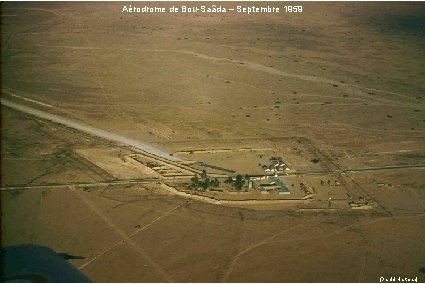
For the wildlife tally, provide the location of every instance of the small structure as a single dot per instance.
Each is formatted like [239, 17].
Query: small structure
[268, 186]
[282, 189]
[276, 165]
[265, 188]
[153, 165]
[159, 168]
[273, 183]
[361, 202]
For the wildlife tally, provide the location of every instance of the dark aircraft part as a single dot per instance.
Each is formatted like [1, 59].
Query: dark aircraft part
[32, 263]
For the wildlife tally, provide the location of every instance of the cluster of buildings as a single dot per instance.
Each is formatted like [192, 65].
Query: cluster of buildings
[161, 169]
[276, 166]
[358, 203]
[268, 184]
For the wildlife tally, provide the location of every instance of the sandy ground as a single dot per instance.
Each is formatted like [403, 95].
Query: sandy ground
[110, 159]
[341, 83]
[166, 238]
[147, 233]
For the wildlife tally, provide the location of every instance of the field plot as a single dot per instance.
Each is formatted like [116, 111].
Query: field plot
[116, 163]
[285, 147]
[36, 153]
[298, 154]
[236, 160]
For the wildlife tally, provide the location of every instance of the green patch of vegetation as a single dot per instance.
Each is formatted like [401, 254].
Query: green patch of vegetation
[237, 183]
[203, 182]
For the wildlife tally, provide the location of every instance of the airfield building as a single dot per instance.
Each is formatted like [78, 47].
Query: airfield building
[273, 183]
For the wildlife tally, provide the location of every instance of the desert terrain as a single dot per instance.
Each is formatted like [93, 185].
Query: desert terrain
[107, 117]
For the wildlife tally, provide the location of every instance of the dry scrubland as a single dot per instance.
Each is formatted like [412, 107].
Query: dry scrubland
[348, 77]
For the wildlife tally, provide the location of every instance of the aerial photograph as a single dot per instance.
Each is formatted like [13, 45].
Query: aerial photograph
[213, 141]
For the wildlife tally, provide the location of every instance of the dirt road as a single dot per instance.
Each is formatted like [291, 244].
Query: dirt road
[89, 129]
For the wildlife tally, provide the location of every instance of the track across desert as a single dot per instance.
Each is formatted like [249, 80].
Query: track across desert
[216, 147]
